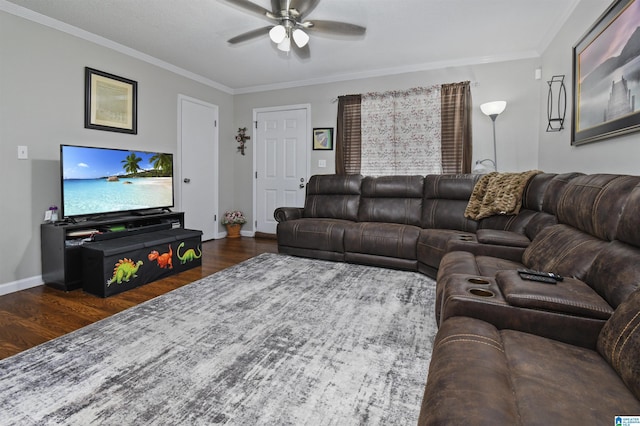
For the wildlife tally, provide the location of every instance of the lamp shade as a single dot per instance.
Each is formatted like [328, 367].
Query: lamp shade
[300, 37]
[493, 108]
[277, 34]
[285, 45]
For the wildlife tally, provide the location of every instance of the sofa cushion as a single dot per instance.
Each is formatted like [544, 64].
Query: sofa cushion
[569, 296]
[628, 230]
[391, 199]
[615, 272]
[315, 234]
[563, 250]
[619, 342]
[445, 199]
[333, 197]
[382, 239]
[594, 203]
[462, 262]
[560, 384]
[481, 375]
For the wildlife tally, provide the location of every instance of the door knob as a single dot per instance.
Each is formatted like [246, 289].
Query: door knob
[302, 185]
[187, 180]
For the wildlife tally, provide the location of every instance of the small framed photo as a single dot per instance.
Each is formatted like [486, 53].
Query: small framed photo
[110, 102]
[323, 138]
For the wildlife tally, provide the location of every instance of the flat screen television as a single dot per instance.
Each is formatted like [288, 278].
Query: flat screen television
[97, 181]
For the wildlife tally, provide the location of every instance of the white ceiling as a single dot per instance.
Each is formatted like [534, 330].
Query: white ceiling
[402, 35]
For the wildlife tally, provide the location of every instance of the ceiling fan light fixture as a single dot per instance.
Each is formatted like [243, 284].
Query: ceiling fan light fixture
[277, 34]
[285, 45]
[300, 37]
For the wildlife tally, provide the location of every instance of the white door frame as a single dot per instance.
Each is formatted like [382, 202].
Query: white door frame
[256, 111]
[216, 159]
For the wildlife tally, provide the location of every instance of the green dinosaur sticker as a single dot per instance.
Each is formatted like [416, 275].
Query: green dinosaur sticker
[189, 255]
[124, 270]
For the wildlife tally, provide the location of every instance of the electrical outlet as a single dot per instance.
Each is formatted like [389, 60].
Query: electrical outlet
[23, 152]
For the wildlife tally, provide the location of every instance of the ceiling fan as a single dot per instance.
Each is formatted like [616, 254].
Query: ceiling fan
[288, 23]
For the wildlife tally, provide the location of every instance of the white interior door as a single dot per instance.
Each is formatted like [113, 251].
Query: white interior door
[282, 161]
[198, 151]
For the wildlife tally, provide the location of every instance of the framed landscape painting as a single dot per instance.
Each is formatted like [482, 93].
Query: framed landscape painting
[606, 76]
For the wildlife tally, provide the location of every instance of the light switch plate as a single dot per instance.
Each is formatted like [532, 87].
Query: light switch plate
[23, 152]
[322, 163]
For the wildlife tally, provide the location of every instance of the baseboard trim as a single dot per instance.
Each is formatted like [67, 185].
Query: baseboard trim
[12, 287]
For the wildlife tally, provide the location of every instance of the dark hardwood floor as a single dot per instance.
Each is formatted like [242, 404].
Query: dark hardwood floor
[34, 316]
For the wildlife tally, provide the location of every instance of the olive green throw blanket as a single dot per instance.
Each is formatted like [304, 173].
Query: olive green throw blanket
[498, 193]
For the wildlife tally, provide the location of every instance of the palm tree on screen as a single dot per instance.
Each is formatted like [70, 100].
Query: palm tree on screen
[131, 163]
[162, 162]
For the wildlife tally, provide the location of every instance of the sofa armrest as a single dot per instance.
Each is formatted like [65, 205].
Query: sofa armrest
[283, 214]
[512, 253]
[502, 238]
[570, 296]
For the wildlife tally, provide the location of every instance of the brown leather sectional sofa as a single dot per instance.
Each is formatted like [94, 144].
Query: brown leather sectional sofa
[508, 351]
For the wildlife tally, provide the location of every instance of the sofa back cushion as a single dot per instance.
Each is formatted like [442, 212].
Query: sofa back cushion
[615, 273]
[445, 200]
[333, 197]
[619, 342]
[628, 230]
[555, 190]
[564, 250]
[391, 199]
[594, 203]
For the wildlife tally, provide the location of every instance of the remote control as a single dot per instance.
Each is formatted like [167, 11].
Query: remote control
[539, 278]
[541, 274]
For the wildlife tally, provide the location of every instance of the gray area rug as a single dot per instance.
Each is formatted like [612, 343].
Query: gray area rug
[276, 340]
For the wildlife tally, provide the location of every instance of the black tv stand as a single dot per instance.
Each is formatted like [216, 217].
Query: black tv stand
[150, 212]
[61, 242]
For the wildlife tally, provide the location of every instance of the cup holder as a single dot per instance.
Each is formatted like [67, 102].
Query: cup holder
[465, 237]
[480, 292]
[480, 281]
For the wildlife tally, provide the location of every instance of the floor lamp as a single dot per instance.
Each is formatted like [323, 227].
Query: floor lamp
[493, 110]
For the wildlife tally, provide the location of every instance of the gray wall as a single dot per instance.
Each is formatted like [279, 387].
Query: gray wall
[616, 155]
[42, 106]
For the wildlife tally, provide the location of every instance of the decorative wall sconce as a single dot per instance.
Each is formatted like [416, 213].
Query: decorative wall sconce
[242, 138]
[557, 97]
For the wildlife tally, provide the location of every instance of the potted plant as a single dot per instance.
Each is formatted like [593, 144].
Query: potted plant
[233, 221]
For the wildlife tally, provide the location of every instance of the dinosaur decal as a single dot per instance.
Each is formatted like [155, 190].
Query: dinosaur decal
[124, 270]
[188, 255]
[164, 259]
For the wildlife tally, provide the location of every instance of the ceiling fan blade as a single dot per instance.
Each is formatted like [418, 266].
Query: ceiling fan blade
[304, 6]
[334, 27]
[251, 7]
[249, 35]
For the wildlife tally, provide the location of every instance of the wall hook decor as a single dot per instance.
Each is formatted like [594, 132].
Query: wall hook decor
[557, 96]
[242, 138]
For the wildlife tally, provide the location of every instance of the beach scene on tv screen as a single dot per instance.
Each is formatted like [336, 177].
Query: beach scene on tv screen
[106, 180]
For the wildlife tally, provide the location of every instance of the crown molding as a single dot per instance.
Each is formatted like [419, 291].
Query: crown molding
[47, 21]
[383, 72]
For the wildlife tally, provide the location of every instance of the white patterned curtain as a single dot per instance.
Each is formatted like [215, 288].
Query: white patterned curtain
[401, 132]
